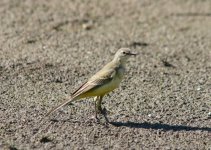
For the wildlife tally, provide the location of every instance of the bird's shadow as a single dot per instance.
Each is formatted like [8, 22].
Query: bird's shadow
[159, 126]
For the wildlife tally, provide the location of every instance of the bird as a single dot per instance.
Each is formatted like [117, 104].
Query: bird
[101, 83]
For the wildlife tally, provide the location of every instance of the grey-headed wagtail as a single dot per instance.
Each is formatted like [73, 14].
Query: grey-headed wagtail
[103, 82]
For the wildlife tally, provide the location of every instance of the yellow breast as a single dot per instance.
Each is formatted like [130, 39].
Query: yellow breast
[103, 89]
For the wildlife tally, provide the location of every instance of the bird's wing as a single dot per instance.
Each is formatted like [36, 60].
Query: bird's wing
[100, 78]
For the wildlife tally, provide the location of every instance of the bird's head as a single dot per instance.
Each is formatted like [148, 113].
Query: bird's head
[123, 54]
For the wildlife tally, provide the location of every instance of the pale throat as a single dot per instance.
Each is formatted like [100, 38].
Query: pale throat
[121, 66]
[120, 61]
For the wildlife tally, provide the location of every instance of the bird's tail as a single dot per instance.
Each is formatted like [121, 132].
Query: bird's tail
[60, 106]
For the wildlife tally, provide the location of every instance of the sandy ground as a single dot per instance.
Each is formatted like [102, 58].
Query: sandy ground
[49, 48]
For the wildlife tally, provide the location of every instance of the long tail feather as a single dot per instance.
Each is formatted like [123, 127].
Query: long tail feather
[60, 106]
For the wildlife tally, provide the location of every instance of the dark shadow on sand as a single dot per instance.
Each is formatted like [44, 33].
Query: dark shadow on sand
[159, 126]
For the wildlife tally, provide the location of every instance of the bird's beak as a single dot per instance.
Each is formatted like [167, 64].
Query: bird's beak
[132, 53]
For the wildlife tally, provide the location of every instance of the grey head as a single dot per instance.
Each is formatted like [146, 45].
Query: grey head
[123, 54]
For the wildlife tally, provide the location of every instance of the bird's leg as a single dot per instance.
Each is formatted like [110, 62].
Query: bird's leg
[96, 109]
[102, 111]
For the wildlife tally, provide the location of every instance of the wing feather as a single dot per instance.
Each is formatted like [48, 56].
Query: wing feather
[98, 79]
[102, 77]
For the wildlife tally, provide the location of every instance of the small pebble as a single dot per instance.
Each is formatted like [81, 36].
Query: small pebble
[198, 89]
[87, 26]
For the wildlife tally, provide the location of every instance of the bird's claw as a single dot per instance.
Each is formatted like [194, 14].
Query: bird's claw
[104, 112]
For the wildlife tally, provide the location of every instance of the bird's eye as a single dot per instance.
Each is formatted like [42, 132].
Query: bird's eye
[124, 52]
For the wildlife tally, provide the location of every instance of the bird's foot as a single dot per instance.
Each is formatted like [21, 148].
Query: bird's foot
[94, 119]
[105, 112]
[98, 120]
